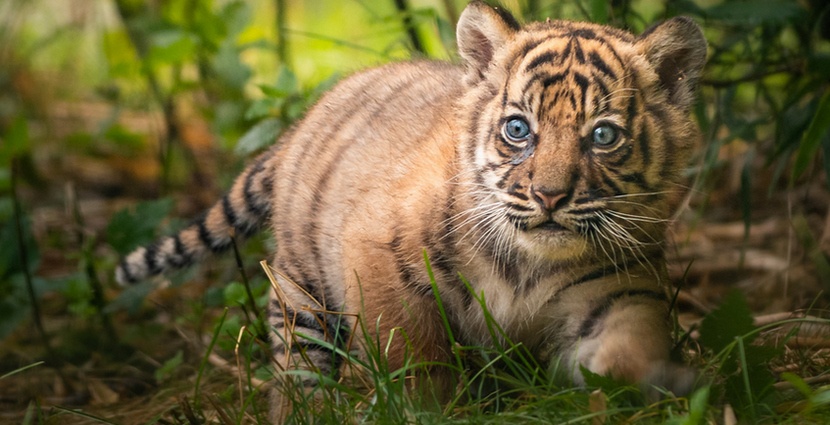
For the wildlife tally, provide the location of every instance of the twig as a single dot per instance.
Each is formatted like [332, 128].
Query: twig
[282, 44]
[27, 275]
[261, 332]
[812, 380]
[754, 76]
[89, 263]
[409, 26]
[24, 258]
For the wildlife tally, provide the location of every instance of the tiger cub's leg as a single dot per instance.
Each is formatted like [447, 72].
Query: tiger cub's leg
[308, 343]
[621, 327]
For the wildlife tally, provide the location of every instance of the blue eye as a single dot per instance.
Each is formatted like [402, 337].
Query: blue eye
[605, 135]
[516, 130]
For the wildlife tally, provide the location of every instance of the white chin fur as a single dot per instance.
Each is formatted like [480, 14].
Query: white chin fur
[553, 246]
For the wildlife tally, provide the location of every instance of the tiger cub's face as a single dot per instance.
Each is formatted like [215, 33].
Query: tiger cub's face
[579, 132]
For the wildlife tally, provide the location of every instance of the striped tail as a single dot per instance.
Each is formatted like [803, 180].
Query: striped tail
[241, 212]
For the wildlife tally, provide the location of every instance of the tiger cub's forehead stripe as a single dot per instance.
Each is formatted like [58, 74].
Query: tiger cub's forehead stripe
[569, 49]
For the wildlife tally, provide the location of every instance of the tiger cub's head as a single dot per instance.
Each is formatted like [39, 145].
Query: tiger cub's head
[576, 133]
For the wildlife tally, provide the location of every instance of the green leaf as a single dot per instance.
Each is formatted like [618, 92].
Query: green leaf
[124, 136]
[821, 397]
[235, 294]
[729, 332]
[16, 140]
[136, 226]
[172, 47]
[261, 108]
[798, 383]
[730, 320]
[697, 407]
[229, 66]
[169, 368]
[286, 81]
[596, 380]
[599, 11]
[259, 136]
[819, 127]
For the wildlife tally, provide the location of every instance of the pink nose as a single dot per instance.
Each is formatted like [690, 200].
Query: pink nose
[550, 200]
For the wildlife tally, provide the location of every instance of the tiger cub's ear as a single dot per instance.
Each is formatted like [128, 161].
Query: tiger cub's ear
[481, 31]
[677, 50]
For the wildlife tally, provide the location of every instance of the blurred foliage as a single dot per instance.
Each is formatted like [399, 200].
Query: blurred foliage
[246, 72]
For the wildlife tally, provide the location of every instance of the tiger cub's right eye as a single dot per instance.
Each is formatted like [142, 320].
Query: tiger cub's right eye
[516, 130]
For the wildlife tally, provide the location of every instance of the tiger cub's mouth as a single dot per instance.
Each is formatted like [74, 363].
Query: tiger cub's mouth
[550, 225]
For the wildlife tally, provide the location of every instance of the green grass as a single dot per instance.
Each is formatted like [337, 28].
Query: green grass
[503, 384]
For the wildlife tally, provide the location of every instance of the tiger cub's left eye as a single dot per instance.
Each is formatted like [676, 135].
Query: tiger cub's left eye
[516, 130]
[605, 135]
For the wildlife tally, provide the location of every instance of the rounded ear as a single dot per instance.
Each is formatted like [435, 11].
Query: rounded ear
[677, 50]
[481, 31]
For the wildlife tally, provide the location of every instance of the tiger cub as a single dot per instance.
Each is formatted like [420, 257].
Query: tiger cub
[543, 171]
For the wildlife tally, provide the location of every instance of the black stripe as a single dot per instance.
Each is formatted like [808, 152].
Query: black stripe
[568, 48]
[601, 65]
[600, 311]
[549, 80]
[314, 147]
[408, 275]
[585, 210]
[579, 55]
[208, 239]
[508, 173]
[546, 79]
[615, 189]
[583, 82]
[335, 333]
[604, 92]
[632, 110]
[519, 207]
[645, 145]
[181, 258]
[230, 214]
[312, 229]
[516, 220]
[502, 155]
[584, 33]
[609, 47]
[525, 50]
[593, 275]
[547, 57]
[125, 268]
[504, 93]
[518, 195]
[317, 288]
[150, 252]
[327, 131]
[627, 151]
[253, 201]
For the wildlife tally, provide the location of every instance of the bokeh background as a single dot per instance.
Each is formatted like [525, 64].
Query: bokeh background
[119, 119]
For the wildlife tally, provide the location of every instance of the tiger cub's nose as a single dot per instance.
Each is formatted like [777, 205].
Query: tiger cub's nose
[550, 200]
